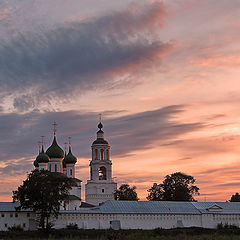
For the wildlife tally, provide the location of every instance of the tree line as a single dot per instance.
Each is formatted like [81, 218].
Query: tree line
[45, 192]
[175, 187]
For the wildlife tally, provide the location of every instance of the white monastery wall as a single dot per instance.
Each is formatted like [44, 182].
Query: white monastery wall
[127, 221]
[145, 221]
[10, 219]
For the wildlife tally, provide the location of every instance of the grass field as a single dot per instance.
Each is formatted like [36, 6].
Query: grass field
[157, 234]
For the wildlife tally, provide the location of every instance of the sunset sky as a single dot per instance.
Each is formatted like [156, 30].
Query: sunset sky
[164, 75]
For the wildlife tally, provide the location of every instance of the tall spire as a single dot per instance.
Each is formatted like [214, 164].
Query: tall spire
[42, 143]
[54, 128]
[69, 144]
[65, 148]
[39, 146]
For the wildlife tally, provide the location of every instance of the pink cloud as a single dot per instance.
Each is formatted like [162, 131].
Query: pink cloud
[218, 60]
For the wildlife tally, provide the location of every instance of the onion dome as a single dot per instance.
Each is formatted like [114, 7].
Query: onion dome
[42, 157]
[100, 126]
[54, 151]
[70, 158]
[100, 136]
[35, 163]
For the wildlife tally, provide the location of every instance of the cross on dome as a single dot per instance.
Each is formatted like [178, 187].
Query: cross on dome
[39, 146]
[54, 128]
[65, 146]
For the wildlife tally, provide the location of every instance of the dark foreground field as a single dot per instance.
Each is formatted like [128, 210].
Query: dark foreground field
[161, 234]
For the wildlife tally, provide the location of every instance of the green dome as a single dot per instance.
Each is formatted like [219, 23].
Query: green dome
[35, 163]
[70, 158]
[42, 157]
[54, 151]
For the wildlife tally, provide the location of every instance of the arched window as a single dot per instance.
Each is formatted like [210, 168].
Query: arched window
[107, 154]
[96, 154]
[102, 173]
[102, 154]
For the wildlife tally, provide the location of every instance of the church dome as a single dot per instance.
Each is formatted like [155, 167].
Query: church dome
[70, 158]
[100, 136]
[42, 158]
[100, 126]
[100, 141]
[54, 151]
[35, 163]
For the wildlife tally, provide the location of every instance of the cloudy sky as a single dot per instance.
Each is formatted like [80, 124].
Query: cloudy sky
[164, 75]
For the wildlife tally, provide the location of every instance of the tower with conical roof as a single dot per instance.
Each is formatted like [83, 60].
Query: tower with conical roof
[56, 155]
[101, 186]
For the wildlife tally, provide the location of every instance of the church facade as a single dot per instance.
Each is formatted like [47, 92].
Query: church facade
[101, 211]
[100, 187]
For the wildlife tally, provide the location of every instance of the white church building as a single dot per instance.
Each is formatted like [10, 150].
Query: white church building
[101, 211]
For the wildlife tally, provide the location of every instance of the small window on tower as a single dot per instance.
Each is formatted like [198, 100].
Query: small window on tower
[50, 169]
[71, 172]
[102, 190]
[102, 154]
[55, 167]
[96, 154]
[107, 153]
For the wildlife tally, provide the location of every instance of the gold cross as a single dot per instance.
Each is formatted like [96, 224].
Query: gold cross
[65, 146]
[39, 146]
[54, 128]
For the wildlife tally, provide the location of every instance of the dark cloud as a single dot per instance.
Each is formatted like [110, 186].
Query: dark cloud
[81, 56]
[16, 169]
[24, 103]
[21, 132]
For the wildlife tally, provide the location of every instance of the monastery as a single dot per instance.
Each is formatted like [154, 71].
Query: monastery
[101, 211]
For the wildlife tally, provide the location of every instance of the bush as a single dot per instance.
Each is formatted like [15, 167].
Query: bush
[227, 226]
[16, 228]
[72, 226]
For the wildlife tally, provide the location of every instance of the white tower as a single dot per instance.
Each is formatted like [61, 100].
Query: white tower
[101, 186]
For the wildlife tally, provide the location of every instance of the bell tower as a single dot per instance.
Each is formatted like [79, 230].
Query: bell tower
[101, 186]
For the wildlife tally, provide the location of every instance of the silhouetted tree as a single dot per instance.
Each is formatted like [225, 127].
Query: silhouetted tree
[235, 198]
[43, 192]
[175, 187]
[125, 192]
